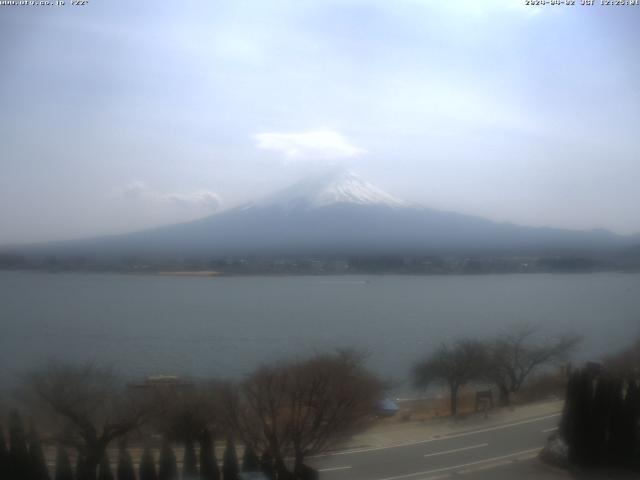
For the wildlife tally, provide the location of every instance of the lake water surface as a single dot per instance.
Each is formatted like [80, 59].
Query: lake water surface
[225, 326]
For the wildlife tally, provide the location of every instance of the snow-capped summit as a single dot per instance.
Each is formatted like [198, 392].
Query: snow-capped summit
[329, 189]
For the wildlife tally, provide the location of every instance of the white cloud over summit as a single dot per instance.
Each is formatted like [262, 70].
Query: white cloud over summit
[311, 145]
[197, 199]
[200, 198]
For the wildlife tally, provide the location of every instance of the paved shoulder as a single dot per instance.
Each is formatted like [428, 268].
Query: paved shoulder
[463, 452]
[520, 469]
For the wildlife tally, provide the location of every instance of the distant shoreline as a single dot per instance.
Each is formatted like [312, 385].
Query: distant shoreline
[222, 274]
[186, 273]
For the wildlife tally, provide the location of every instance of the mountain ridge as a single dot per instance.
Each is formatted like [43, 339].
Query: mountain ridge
[337, 215]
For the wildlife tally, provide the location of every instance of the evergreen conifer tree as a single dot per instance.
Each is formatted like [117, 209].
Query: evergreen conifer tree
[230, 470]
[37, 464]
[148, 465]
[614, 452]
[250, 462]
[574, 425]
[632, 409]
[4, 455]
[282, 473]
[567, 425]
[189, 461]
[599, 421]
[104, 469]
[63, 465]
[266, 466]
[18, 464]
[168, 469]
[208, 462]
[125, 469]
[81, 471]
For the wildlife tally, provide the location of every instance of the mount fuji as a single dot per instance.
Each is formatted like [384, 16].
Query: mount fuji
[338, 215]
[329, 189]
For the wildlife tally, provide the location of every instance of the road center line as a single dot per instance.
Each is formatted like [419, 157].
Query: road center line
[549, 430]
[480, 445]
[333, 469]
[462, 465]
[438, 439]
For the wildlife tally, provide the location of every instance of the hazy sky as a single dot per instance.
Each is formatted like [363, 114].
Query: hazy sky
[120, 115]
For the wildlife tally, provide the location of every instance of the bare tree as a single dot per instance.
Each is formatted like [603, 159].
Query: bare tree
[455, 365]
[257, 410]
[330, 397]
[90, 406]
[192, 413]
[300, 408]
[514, 356]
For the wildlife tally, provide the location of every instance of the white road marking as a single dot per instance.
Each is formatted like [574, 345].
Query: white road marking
[480, 445]
[463, 465]
[438, 439]
[333, 469]
[528, 456]
[438, 477]
[549, 430]
[488, 466]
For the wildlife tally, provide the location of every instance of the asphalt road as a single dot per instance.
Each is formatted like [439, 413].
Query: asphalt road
[492, 452]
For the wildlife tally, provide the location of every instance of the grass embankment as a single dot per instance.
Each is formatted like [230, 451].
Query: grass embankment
[541, 387]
